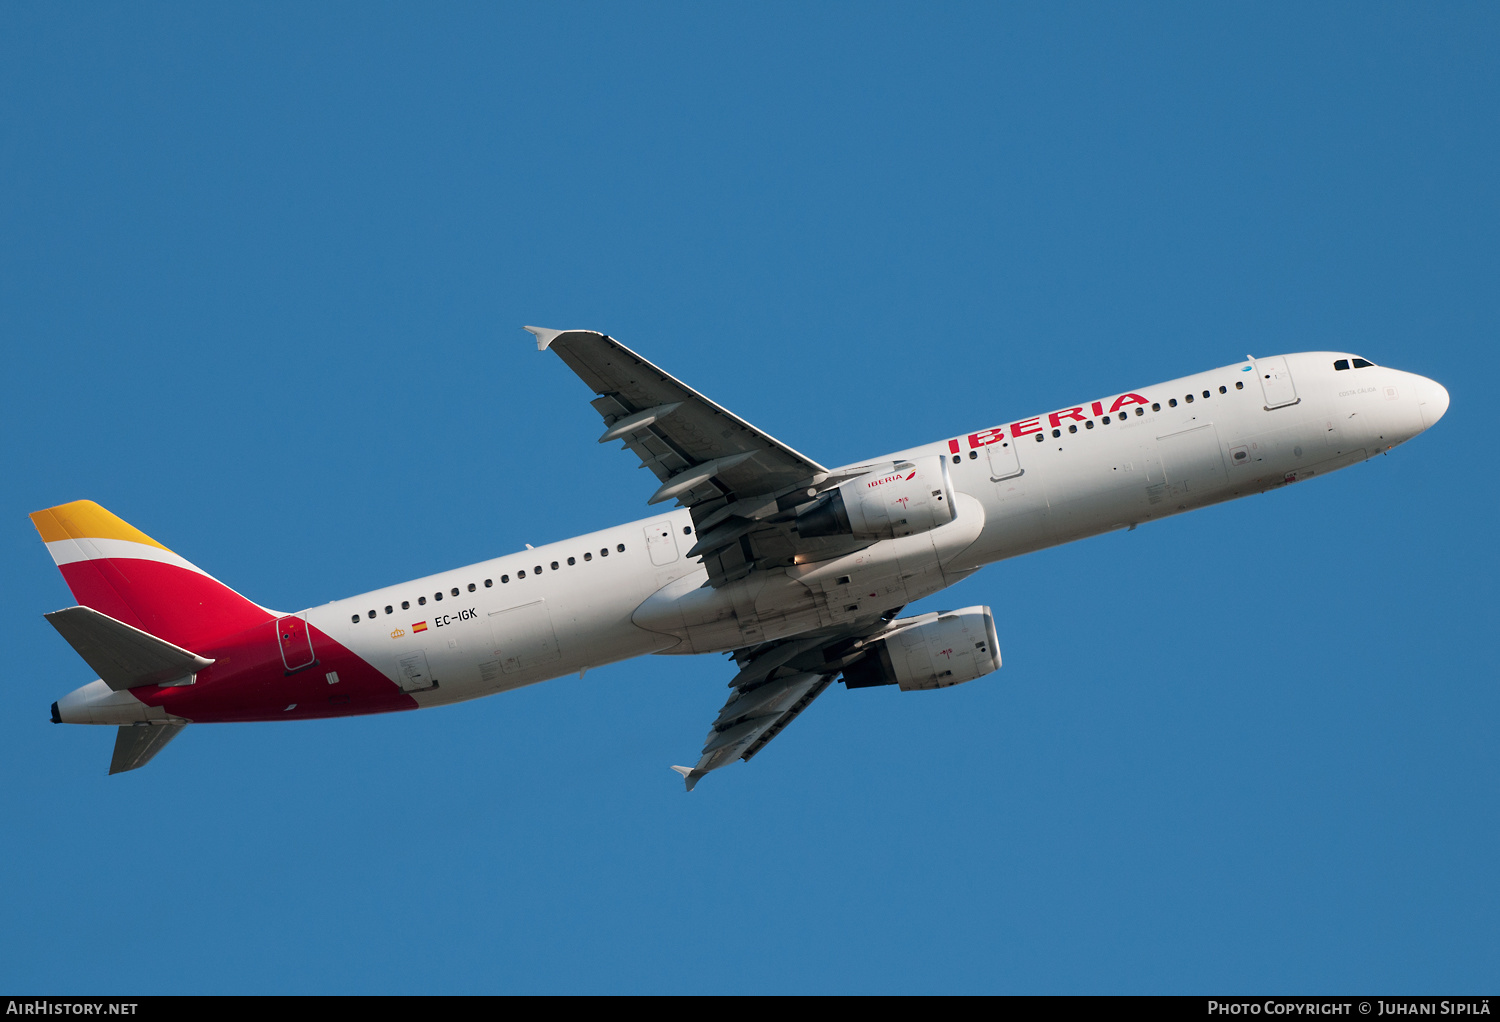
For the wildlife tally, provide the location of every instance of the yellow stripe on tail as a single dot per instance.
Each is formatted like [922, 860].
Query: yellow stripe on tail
[83, 519]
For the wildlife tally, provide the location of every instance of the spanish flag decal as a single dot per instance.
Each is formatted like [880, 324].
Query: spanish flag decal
[420, 626]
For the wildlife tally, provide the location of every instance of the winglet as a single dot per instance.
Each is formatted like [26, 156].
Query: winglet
[544, 337]
[687, 776]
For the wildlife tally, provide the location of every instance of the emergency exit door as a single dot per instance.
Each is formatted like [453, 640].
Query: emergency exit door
[661, 543]
[1005, 460]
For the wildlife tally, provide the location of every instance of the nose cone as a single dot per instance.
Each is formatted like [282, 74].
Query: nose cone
[1434, 401]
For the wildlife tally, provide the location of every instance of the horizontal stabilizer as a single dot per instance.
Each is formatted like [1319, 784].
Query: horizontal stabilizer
[135, 744]
[123, 656]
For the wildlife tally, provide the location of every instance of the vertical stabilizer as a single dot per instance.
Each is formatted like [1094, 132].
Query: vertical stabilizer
[118, 570]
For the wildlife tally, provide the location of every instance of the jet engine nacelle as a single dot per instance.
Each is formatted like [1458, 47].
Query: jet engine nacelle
[911, 497]
[930, 651]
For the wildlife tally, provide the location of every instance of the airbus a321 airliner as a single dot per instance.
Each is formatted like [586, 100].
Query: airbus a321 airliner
[800, 571]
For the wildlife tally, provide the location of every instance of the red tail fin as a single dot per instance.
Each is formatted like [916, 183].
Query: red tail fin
[118, 570]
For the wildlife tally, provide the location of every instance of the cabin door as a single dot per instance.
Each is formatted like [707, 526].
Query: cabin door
[1276, 382]
[296, 643]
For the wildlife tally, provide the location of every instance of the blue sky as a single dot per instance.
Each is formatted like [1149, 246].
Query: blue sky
[262, 276]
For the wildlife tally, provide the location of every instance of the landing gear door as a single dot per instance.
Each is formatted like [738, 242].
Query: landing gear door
[1276, 382]
[1005, 462]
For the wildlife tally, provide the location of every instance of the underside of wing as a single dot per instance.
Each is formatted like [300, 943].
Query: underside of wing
[744, 486]
[776, 682]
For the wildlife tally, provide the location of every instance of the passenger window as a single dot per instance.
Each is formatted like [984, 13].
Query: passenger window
[421, 601]
[687, 530]
[1105, 420]
[520, 574]
[572, 561]
[603, 551]
[956, 459]
[504, 579]
[1155, 406]
[588, 557]
[355, 619]
[973, 455]
[1189, 399]
[406, 605]
[455, 590]
[554, 565]
[389, 609]
[489, 583]
[1223, 390]
[1089, 424]
[620, 547]
[437, 596]
[537, 570]
[1073, 428]
[372, 615]
[1139, 411]
[1172, 403]
[472, 587]
[1207, 394]
[1040, 438]
[1239, 384]
[1056, 433]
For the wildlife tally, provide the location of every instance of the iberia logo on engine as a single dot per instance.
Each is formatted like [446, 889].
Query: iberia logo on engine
[892, 478]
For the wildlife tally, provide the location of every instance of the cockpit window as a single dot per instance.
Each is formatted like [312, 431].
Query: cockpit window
[1360, 363]
[1341, 364]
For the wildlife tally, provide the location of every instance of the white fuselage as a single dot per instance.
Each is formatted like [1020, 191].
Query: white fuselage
[1028, 484]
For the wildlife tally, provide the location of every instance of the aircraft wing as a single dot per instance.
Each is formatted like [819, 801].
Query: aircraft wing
[776, 682]
[742, 484]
